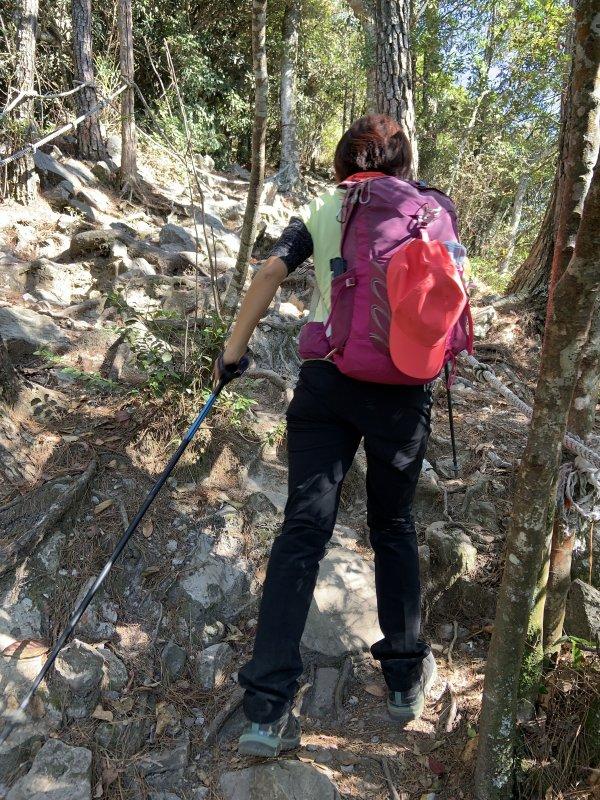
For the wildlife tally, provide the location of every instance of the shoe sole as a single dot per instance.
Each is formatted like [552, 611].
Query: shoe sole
[410, 713]
[252, 744]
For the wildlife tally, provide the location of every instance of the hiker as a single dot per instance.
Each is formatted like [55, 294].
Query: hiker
[370, 352]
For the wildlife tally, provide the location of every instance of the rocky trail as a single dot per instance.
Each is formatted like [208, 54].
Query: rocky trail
[103, 300]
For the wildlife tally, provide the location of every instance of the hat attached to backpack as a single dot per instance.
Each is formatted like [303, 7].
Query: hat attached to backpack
[427, 298]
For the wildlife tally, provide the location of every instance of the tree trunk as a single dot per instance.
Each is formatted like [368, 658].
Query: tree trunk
[128, 172]
[22, 180]
[582, 143]
[394, 68]
[567, 330]
[532, 279]
[257, 173]
[289, 169]
[517, 212]
[90, 144]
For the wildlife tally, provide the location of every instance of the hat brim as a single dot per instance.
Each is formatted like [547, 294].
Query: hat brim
[416, 360]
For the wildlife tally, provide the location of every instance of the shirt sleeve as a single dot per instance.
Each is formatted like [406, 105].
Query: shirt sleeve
[294, 245]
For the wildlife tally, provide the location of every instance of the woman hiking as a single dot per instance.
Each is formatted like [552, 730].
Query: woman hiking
[378, 336]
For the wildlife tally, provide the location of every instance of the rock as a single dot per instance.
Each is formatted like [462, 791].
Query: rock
[283, 780]
[59, 283]
[102, 171]
[113, 147]
[97, 621]
[58, 772]
[483, 319]
[96, 241]
[451, 551]
[583, 611]
[176, 234]
[212, 633]
[212, 587]
[483, 512]
[54, 172]
[163, 796]
[25, 331]
[320, 702]
[123, 737]
[87, 211]
[429, 498]
[477, 601]
[212, 665]
[289, 310]
[19, 747]
[343, 614]
[200, 793]
[169, 759]
[95, 198]
[173, 660]
[115, 672]
[78, 673]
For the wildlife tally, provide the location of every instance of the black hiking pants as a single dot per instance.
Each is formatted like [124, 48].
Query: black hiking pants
[327, 418]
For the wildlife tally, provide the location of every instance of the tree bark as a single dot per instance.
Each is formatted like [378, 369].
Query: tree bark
[364, 14]
[517, 212]
[289, 168]
[22, 180]
[128, 171]
[567, 331]
[257, 173]
[583, 143]
[532, 279]
[394, 67]
[90, 144]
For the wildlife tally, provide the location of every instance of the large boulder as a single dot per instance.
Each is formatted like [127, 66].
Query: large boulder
[583, 611]
[343, 614]
[58, 772]
[25, 331]
[283, 780]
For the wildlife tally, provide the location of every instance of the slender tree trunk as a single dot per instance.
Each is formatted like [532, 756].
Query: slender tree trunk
[432, 65]
[257, 173]
[582, 143]
[517, 211]
[90, 144]
[532, 279]
[567, 330]
[128, 173]
[394, 67]
[289, 168]
[22, 178]
[581, 422]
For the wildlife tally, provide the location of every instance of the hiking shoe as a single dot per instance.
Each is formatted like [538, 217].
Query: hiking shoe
[268, 739]
[408, 705]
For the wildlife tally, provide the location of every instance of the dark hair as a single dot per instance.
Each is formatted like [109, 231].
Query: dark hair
[375, 142]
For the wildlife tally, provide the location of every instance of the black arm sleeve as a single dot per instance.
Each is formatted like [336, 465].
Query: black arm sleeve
[294, 245]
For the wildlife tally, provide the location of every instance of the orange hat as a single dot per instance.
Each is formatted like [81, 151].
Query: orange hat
[427, 298]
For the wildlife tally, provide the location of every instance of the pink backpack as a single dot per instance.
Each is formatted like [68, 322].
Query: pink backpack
[379, 216]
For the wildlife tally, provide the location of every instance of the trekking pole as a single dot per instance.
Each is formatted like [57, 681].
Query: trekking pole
[228, 374]
[451, 419]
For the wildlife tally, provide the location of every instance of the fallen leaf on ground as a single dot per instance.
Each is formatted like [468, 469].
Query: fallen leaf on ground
[147, 528]
[470, 749]
[376, 689]
[166, 714]
[26, 648]
[102, 506]
[436, 766]
[103, 714]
